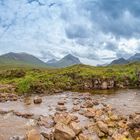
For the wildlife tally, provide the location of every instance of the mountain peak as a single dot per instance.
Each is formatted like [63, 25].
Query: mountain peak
[69, 55]
[67, 60]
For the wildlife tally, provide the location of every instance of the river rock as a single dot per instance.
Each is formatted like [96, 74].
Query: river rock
[88, 104]
[57, 91]
[64, 118]
[76, 108]
[61, 108]
[24, 115]
[33, 135]
[63, 132]
[62, 102]
[1, 137]
[90, 113]
[114, 117]
[102, 126]
[122, 124]
[18, 138]
[104, 85]
[48, 134]
[76, 127]
[46, 121]
[135, 122]
[76, 102]
[37, 100]
[117, 136]
[93, 128]
[3, 112]
[88, 137]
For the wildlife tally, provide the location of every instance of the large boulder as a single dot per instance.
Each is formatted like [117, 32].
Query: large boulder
[102, 126]
[63, 132]
[33, 135]
[64, 118]
[83, 136]
[76, 127]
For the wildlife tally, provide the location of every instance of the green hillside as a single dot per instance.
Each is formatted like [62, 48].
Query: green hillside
[77, 77]
[21, 59]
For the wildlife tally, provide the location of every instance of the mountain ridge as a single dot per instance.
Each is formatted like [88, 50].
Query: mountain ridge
[67, 60]
[22, 58]
[133, 58]
[26, 59]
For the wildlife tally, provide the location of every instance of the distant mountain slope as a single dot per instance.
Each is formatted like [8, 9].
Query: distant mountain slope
[135, 57]
[20, 59]
[52, 61]
[68, 60]
[119, 61]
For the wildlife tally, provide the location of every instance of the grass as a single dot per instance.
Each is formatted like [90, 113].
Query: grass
[37, 80]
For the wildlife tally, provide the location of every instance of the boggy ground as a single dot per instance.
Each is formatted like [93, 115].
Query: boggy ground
[72, 116]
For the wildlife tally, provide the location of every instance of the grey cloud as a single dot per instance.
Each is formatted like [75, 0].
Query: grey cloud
[122, 53]
[111, 16]
[111, 46]
[77, 31]
[47, 55]
[108, 58]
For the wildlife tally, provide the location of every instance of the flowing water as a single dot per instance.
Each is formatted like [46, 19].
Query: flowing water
[124, 101]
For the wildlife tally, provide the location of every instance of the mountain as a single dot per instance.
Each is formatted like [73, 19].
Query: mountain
[21, 59]
[119, 61]
[68, 60]
[135, 57]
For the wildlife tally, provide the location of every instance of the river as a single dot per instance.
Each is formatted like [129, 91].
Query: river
[125, 102]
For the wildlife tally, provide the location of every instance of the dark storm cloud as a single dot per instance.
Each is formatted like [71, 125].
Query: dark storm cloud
[119, 17]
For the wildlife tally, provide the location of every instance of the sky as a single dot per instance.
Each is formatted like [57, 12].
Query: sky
[96, 31]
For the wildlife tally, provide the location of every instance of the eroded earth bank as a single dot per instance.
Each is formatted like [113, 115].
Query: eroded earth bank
[71, 116]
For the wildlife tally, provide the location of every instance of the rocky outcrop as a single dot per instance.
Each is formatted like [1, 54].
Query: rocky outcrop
[99, 83]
